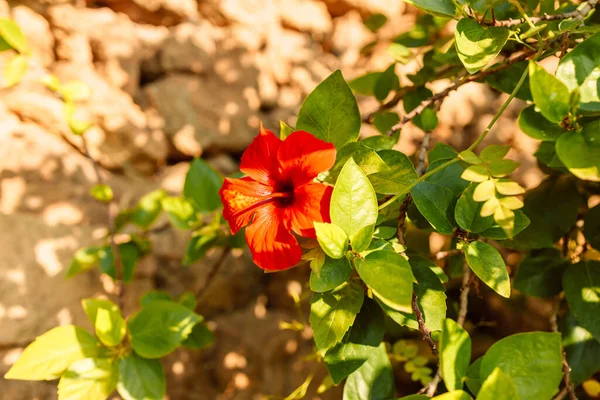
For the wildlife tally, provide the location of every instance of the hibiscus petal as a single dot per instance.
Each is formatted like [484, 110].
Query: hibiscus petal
[302, 157]
[311, 203]
[259, 161]
[272, 246]
[240, 198]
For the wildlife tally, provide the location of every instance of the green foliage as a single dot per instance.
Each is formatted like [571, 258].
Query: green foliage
[160, 327]
[332, 238]
[102, 192]
[532, 360]
[489, 266]
[389, 276]
[140, 378]
[333, 313]
[373, 380]
[539, 273]
[15, 70]
[53, 352]
[90, 378]
[478, 45]
[330, 112]
[551, 96]
[455, 354]
[580, 151]
[581, 282]
[498, 386]
[107, 319]
[201, 186]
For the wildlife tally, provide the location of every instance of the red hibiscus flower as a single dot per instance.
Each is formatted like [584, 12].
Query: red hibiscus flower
[279, 195]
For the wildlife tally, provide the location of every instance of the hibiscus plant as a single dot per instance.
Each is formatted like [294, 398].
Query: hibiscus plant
[359, 213]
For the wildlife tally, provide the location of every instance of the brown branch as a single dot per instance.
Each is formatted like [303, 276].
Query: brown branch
[425, 331]
[213, 272]
[570, 389]
[444, 93]
[580, 13]
[112, 211]
[402, 219]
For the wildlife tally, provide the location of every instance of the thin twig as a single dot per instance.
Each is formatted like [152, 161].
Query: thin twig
[425, 331]
[565, 365]
[444, 93]
[580, 13]
[561, 395]
[112, 211]
[213, 272]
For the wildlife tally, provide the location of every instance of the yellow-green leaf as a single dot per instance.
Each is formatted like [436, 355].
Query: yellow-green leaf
[15, 70]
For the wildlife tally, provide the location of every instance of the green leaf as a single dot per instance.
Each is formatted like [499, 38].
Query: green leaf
[140, 379]
[475, 173]
[455, 354]
[580, 68]
[160, 327]
[506, 80]
[90, 379]
[362, 340]
[77, 125]
[52, 353]
[498, 386]
[284, 130]
[501, 168]
[539, 273]
[333, 313]
[437, 7]
[473, 380]
[385, 83]
[375, 22]
[202, 184]
[427, 119]
[330, 275]
[83, 260]
[441, 151]
[415, 397]
[188, 300]
[580, 151]
[332, 239]
[364, 84]
[582, 350]
[431, 297]
[353, 202]
[12, 34]
[102, 192]
[536, 126]
[198, 245]
[154, 295]
[107, 319]
[581, 283]
[469, 157]
[552, 208]
[436, 203]
[15, 69]
[398, 178]
[478, 45]
[148, 208]
[591, 227]
[384, 121]
[550, 95]
[374, 380]
[330, 112]
[532, 360]
[494, 152]
[181, 212]
[129, 255]
[389, 276]
[200, 337]
[489, 266]
[455, 395]
[449, 177]
[366, 158]
[546, 155]
[468, 213]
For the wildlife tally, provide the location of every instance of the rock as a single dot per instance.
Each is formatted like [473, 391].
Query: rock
[37, 30]
[155, 12]
[350, 35]
[203, 113]
[305, 16]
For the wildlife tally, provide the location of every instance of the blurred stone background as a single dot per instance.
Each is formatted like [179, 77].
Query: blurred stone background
[174, 79]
